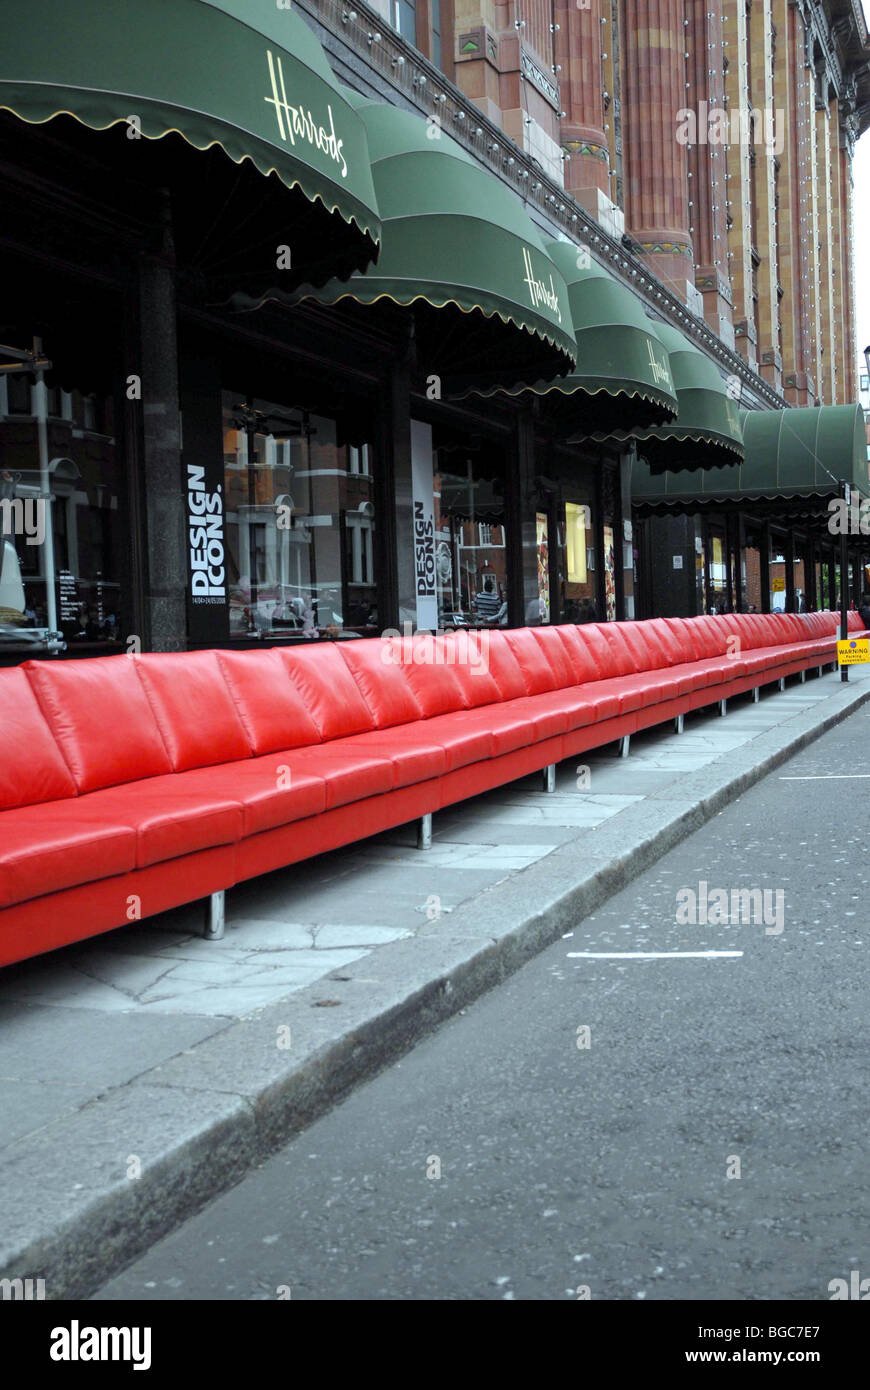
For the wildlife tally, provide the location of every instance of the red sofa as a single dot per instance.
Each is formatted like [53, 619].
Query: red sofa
[129, 785]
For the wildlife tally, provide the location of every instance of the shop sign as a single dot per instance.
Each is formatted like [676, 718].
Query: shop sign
[206, 556]
[295, 120]
[423, 526]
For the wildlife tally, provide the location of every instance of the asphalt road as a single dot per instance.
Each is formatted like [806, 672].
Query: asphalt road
[605, 1167]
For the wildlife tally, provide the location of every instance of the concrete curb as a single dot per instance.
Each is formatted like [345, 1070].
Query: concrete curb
[200, 1121]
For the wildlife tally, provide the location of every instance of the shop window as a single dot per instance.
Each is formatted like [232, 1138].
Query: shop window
[60, 524]
[470, 538]
[299, 524]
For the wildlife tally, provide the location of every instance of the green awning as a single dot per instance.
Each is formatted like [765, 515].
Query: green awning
[791, 454]
[706, 432]
[490, 308]
[242, 75]
[623, 376]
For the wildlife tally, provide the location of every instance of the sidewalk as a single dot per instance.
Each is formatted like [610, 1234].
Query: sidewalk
[144, 1071]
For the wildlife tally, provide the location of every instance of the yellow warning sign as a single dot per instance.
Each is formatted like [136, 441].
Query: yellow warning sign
[777, 586]
[855, 651]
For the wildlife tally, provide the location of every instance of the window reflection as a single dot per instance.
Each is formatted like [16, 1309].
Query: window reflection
[470, 546]
[66, 546]
[300, 524]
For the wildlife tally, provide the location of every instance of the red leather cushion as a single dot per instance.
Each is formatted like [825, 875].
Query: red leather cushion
[716, 631]
[666, 641]
[271, 790]
[611, 654]
[415, 758]
[101, 719]
[348, 774]
[462, 742]
[643, 648]
[555, 651]
[194, 708]
[331, 695]
[384, 686]
[31, 767]
[582, 704]
[855, 623]
[427, 664]
[580, 654]
[548, 720]
[689, 639]
[167, 820]
[504, 667]
[508, 727]
[269, 705]
[471, 666]
[46, 848]
[537, 671]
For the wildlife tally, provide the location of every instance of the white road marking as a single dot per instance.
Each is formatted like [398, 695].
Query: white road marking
[652, 955]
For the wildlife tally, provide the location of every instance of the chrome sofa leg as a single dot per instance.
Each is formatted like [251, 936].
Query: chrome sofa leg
[215, 912]
[723, 707]
[550, 777]
[678, 724]
[624, 744]
[424, 832]
[820, 670]
[803, 677]
[782, 682]
[756, 694]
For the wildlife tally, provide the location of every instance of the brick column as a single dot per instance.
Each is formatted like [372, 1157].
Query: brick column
[761, 42]
[740, 190]
[654, 92]
[707, 162]
[579, 46]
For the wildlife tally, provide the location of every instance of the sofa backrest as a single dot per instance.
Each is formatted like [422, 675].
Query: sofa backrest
[101, 718]
[32, 768]
[194, 708]
[383, 684]
[269, 704]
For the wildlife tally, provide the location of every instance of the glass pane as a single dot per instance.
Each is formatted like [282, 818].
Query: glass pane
[578, 595]
[67, 546]
[470, 540]
[300, 524]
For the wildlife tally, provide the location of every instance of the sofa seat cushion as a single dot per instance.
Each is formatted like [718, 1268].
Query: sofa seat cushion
[462, 742]
[270, 791]
[509, 728]
[578, 706]
[46, 848]
[548, 719]
[349, 774]
[414, 756]
[634, 692]
[168, 816]
[713, 670]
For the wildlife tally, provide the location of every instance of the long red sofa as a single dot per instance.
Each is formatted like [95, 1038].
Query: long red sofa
[132, 784]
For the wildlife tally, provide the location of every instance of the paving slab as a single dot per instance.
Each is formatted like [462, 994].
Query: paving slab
[198, 1058]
